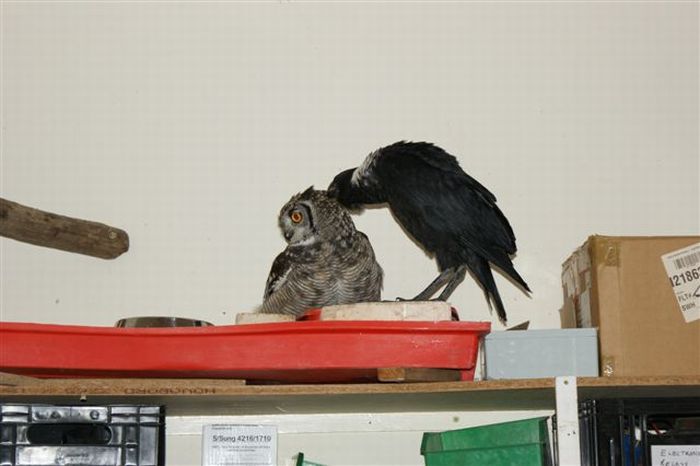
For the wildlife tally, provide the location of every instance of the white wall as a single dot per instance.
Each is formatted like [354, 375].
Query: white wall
[190, 124]
[380, 439]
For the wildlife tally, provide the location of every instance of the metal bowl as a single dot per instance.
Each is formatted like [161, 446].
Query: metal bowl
[156, 321]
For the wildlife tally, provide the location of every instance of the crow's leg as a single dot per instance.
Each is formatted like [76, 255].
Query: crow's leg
[457, 277]
[445, 276]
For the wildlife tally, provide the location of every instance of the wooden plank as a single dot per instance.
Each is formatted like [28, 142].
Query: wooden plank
[55, 231]
[186, 397]
[224, 397]
[639, 381]
[226, 387]
[232, 387]
[416, 374]
[123, 387]
[14, 380]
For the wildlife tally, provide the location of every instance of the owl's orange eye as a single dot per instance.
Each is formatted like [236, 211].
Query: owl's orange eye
[296, 216]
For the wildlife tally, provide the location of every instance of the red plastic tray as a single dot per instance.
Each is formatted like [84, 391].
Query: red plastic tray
[299, 352]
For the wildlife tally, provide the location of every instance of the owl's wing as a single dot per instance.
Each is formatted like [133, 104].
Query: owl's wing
[278, 273]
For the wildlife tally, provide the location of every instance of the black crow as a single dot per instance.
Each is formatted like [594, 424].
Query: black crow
[450, 214]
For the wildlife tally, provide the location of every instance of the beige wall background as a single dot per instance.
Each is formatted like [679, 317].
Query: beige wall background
[190, 124]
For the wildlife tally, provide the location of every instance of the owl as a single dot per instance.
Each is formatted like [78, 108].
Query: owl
[327, 261]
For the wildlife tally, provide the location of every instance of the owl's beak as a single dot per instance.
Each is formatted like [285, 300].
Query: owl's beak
[287, 235]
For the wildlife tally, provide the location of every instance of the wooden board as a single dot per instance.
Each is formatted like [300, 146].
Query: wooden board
[187, 397]
[413, 374]
[234, 387]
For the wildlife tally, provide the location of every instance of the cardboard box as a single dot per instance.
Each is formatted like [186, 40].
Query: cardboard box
[621, 286]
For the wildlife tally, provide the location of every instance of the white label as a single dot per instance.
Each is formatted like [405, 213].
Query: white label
[683, 269]
[675, 455]
[239, 445]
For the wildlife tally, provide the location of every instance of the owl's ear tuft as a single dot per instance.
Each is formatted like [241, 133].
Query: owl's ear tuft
[307, 194]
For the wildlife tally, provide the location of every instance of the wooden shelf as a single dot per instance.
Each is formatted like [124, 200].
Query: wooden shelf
[216, 396]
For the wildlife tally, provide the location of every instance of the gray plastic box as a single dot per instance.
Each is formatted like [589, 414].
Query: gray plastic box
[81, 435]
[528, 354]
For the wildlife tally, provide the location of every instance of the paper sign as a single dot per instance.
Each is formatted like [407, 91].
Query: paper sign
[239, 445]
[683, 269]
[675, 455]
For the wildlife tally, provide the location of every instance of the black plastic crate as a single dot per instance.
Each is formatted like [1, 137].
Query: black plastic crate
[621, 432]
[118, 435]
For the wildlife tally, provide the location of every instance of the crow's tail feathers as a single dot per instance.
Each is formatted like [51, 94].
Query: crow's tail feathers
[498, 257]
[482, 272]
[507, 267]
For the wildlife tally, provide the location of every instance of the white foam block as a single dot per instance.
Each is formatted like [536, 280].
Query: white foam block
[260, 318]
[432, 311]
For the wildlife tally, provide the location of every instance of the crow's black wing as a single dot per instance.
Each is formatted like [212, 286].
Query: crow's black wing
[443, 208]
[425, 182]
[434, 157]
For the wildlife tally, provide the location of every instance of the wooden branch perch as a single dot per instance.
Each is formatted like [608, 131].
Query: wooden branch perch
[41, 228]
